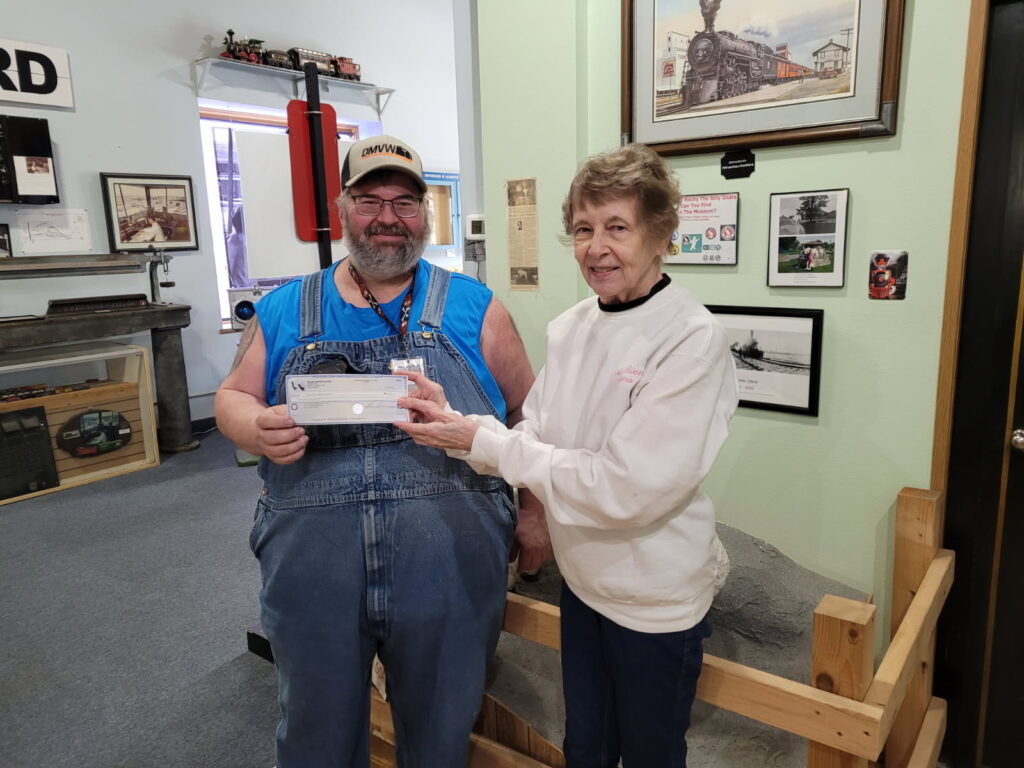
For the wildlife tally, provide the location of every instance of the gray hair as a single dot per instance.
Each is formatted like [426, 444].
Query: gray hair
[632, 172]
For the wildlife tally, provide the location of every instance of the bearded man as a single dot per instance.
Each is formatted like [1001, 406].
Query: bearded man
[369, 544]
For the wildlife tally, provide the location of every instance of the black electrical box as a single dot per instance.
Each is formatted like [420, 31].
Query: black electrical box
[27, 172]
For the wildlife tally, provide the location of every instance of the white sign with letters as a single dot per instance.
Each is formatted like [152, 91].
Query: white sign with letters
[35, 74]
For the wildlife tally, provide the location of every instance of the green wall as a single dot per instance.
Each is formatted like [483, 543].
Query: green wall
[820, 489]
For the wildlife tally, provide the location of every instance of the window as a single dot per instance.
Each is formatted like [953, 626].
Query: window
[445, 248]
[220, 125]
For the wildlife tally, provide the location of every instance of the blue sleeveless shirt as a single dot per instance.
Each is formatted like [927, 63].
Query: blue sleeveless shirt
[467, 302]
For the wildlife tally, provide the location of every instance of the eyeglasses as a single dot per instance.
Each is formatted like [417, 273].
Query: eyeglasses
[404, 207]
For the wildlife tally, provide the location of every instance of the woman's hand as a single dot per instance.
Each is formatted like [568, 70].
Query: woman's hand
[425, 388]
[438, 428]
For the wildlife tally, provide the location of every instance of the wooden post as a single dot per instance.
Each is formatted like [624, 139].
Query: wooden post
[919, 520]
[842, 662]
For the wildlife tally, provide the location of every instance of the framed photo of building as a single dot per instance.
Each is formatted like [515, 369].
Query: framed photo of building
[705, 75]
[149, 211]
[807, 239]
[777, 352]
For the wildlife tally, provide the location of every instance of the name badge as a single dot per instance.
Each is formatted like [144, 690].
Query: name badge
[346, 399]
[403, 364]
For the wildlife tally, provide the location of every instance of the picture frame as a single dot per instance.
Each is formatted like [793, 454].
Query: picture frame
[782, 78]
[807, 239]
[708, 233]
[777, 353]
[6, 247]
[145, 211]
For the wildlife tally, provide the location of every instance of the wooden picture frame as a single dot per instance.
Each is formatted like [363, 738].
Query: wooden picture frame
[145, 211]
[807, 238]
[768, 84]
[777, 352]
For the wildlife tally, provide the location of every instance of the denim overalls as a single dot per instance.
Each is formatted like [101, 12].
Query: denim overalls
[372, 544]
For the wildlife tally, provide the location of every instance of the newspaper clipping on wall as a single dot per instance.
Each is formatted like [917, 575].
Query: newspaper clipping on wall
[522, 234]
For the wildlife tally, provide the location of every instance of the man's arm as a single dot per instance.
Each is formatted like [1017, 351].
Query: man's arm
[506, 358]
[242, 413]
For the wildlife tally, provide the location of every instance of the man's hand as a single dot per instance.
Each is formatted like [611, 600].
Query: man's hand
[278, 437]
[532, 539]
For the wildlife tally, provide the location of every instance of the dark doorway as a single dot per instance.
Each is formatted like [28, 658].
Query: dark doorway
[981, 633]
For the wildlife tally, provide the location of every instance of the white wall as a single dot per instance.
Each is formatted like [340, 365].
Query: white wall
[135, 112]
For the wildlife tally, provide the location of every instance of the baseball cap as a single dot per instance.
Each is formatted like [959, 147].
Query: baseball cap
[381, 153]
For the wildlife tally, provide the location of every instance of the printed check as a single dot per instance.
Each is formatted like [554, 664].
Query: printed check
[345, 398]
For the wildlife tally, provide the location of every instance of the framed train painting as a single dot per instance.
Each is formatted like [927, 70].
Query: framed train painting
[714, 75]
[777, 352]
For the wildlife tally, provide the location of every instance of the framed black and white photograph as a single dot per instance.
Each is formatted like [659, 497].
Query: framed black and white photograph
[807, 239]
[708, 231]
[144, 211]
[6, 249]
[777, 352]
[702, 75]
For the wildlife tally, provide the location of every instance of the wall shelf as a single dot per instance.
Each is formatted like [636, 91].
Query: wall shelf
[375, 94]
[61, 266]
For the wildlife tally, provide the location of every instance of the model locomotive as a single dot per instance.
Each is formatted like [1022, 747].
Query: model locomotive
[251, 51]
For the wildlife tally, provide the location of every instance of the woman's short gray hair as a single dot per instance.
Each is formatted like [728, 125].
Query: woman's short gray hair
[632, 172]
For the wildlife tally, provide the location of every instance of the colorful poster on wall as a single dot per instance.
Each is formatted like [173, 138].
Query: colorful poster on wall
[708, 231]
[521, 214]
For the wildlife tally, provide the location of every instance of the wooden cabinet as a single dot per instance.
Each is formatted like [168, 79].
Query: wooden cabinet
[119, 382]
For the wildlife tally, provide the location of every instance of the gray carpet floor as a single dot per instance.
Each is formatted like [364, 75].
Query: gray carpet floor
[124, 606]
[123, 611]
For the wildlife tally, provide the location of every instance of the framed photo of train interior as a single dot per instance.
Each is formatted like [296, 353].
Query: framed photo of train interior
[144, 211]
[707, 75]
[777, 352]
[807, 239]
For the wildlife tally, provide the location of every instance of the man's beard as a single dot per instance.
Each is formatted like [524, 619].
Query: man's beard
[384, 262]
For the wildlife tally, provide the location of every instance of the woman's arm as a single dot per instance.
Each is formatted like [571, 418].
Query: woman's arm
[652, 463]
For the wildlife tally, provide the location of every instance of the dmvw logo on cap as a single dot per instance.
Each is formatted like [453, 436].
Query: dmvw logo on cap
[381, 153]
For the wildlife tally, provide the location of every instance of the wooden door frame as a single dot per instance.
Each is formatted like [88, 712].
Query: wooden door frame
[977, 508]
[959, 231]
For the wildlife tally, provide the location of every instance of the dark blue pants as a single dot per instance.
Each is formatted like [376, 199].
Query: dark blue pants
[627, 694]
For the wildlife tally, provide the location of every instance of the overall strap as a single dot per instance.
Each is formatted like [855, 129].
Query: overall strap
[310, 306]
[437, 293]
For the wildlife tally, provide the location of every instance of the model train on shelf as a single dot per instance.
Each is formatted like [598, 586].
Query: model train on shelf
[251, 51]
[723, 65]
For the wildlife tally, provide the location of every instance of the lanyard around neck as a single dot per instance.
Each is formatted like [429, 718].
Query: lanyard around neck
[403, 326]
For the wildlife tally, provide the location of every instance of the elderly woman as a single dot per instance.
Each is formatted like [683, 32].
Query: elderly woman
[619, 430]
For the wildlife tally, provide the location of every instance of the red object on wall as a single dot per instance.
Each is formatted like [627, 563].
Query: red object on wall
[302, 169]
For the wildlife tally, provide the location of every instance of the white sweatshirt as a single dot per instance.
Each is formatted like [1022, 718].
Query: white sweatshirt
[619, 430]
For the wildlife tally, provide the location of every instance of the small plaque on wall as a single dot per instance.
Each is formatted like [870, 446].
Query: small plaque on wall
[738, 165]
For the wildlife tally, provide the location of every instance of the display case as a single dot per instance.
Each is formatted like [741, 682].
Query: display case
[97, 403]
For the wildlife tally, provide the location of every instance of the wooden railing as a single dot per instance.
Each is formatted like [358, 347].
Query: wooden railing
[851, 713]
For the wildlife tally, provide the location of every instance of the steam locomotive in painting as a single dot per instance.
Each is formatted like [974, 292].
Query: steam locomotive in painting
[251, 51]
[723, 65]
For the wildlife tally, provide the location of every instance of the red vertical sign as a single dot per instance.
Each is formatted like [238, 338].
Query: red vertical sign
[302, 170]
